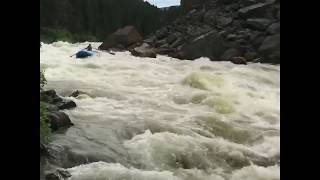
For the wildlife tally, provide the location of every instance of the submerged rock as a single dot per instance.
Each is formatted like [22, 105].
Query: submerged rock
[76, 93]
[144, 51]
[238, 60]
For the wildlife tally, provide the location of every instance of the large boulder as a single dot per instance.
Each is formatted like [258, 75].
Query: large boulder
[209, 45]
[144, 51]
[122, 38]
[58, 120]
[270, 49]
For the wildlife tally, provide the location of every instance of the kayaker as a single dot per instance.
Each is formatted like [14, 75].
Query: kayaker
[89, 48]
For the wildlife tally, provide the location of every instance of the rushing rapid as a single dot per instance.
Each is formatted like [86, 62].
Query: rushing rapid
[165, 119]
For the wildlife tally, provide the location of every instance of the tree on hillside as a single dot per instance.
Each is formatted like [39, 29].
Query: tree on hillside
[97, 17]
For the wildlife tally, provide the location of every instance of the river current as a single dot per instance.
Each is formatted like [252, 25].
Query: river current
[165, 119]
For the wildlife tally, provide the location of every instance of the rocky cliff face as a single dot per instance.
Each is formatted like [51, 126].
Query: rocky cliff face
[221, 30]
[189, 4]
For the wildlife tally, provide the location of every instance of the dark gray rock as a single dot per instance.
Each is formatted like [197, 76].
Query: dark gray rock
[43, 150]
[225, 2]
[258, 23]
[164, 51]
[223, 33]
[270, 49]
[160, 43]
[58, 120]
[191, 4]
[240, 24]
[232, 37]
[250, 2]
[245, 34]
[250, 55]
[232, 7]
[161, 33]
[224, 21]
[274, 28]
[177, 43]
[164, 45]
[58, 175]
[254, 35]
[151, 40]
[123, 38]
[242, 43]
[66, 104]
[254, 11]
[210, 17]
[196, 31]
[76, 93]
[209, 45]
[51, 97]
[270, 1]
[171, 38]
[144, 51]
[238, 60]
[228, 54]
[258, 41]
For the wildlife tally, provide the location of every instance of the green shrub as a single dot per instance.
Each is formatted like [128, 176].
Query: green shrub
[45, 131]
[43, 80]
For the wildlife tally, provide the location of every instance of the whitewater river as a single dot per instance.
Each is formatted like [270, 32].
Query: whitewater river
[165, 119]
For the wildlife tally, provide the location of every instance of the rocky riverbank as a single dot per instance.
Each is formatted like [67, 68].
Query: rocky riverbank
[217, 29]
[58, 120]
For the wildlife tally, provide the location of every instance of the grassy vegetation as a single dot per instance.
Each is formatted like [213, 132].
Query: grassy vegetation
[45, 130]
[43, 80]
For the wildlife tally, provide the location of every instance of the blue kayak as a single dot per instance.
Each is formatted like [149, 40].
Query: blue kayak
[84, 54]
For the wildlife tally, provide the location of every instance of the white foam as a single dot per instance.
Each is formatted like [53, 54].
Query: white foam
[138, 111]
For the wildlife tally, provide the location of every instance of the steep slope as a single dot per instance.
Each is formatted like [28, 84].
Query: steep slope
[222, 29]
